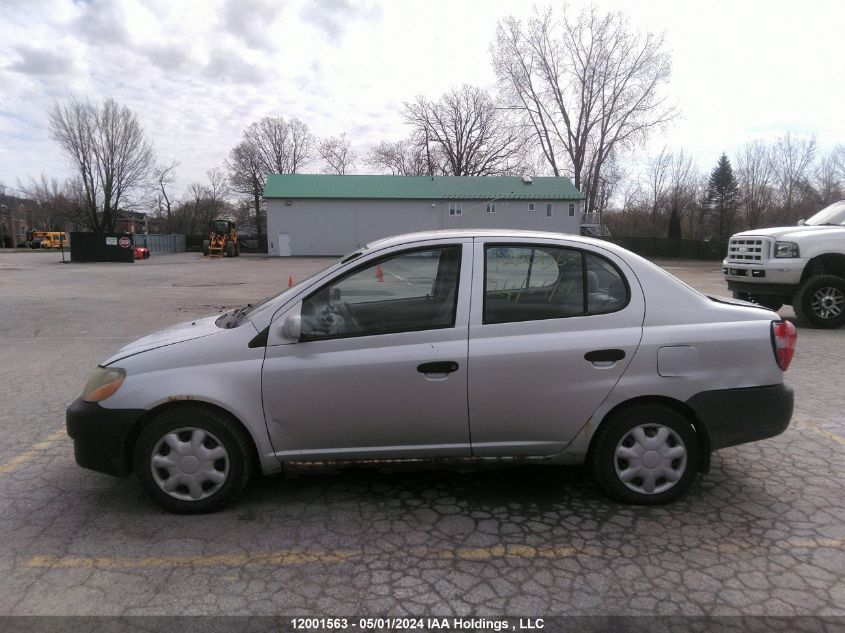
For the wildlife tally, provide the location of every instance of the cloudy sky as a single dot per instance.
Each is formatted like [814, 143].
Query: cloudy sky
[197, 73]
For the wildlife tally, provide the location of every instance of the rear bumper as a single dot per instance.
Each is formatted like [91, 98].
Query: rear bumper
[102, 437]
[738, 416]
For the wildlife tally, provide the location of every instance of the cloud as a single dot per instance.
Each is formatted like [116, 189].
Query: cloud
[101, 22]
[250, 21]
[332, 16]
[226, 65]
[39, 61]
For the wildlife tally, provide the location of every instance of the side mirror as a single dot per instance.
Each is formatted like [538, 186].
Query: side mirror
[292, 327]
[802, 222]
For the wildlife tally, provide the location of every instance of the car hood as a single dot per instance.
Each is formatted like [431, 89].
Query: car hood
[791, 233]
[169, 336]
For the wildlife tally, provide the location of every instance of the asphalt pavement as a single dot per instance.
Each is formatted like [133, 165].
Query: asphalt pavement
[762, 534]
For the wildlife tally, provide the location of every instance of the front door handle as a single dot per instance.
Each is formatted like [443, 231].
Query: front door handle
[441, 367]
[604, 355]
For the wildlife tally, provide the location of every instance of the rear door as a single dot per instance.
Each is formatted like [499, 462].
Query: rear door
[553, 326]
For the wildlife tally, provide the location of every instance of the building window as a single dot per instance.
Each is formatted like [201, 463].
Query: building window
[571, 209]
[530, 207]
[491, 207]
[456, 208]
[548, 209]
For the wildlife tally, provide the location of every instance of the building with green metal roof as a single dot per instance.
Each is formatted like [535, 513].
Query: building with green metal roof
[319, 214]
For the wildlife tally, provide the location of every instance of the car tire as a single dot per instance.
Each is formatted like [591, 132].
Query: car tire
[645, 454]
[215, 461]
[206, 245]
[230, 248]
[820, 302]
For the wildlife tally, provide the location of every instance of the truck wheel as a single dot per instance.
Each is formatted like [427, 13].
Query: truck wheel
[205, 246]
[192, 460]
[230, 249]
[820, 302]
[645, 454]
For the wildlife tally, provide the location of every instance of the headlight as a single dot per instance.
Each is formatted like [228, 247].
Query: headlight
[786, 249]
[103, 383]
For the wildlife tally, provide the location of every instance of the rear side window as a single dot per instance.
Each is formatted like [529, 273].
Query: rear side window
[525, 282]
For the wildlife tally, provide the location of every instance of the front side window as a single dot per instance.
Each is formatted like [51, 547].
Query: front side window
[407, 292]
[534, 282]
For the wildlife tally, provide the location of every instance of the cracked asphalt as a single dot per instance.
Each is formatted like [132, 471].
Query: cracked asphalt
[762, 534]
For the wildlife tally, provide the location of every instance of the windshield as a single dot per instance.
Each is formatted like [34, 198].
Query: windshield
[274, 301]
[832, 215]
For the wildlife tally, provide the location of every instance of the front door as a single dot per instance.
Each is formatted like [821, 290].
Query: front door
[380, 369]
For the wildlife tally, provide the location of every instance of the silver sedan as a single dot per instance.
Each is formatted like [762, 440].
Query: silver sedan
[483, 345]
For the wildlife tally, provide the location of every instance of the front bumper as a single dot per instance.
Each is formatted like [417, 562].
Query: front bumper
[775, 276]
[748, 414]
[102, 437]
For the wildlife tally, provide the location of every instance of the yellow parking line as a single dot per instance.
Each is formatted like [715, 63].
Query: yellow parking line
[286, 558]
[31, 452]
[271, 559]
[829, 435]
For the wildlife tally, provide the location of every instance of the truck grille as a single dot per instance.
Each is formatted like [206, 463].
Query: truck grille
[746, 249]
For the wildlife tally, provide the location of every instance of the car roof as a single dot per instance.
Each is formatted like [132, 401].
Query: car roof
[515, 234]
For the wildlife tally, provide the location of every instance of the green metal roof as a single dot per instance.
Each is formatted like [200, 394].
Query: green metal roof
[419, 187]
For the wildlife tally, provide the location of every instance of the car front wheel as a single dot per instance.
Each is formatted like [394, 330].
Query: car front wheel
[645, 454]
[192, 460]
[820, 302]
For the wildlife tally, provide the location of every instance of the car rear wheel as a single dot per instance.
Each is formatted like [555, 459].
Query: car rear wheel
[645, 454]
[192, 460]
[820, 302]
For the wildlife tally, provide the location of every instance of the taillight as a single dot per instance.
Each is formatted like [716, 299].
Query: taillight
[784, 336]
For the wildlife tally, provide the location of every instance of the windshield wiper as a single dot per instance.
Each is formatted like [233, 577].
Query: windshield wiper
[235, 317]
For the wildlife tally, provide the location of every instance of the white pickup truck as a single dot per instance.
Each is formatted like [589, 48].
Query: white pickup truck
[802, 266]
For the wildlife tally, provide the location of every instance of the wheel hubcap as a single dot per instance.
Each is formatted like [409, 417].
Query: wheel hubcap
[189, 464]
[828, 303]
[650, 459]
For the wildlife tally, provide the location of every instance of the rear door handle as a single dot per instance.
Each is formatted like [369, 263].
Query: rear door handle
[441, 367]
[604, 355]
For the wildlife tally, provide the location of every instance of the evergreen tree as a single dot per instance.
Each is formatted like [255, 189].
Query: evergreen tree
[723, 194]
[674, 225]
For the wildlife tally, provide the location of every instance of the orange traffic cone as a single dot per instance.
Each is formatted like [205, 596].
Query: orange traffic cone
[290, 281]
[379, 273]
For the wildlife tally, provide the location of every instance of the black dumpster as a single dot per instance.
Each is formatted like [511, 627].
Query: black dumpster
[101, 247]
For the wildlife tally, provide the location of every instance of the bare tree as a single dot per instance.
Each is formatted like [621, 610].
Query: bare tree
[247, 177]
[165, 176]
[269, 146]
[754, 177]
[829, 177]
[338, 155]
[682, 190]
[657, 172]
[402, 158]
[587, 87]
[792, 160]
[475, 137]
[109, 151]
[283, 147]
